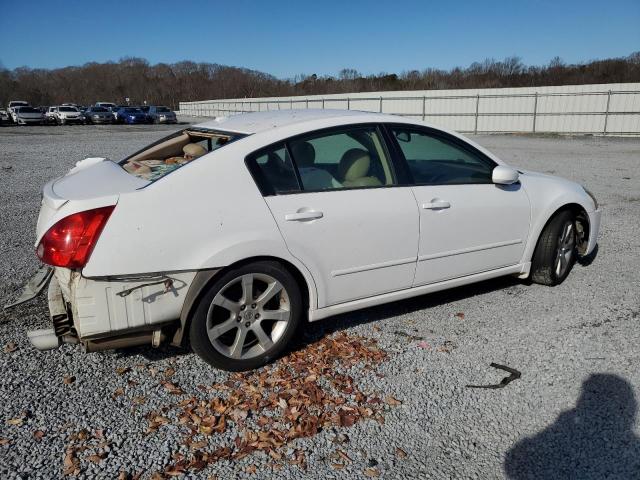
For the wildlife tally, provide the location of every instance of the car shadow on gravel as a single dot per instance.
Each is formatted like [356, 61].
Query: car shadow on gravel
[316, 330]
[591, 441]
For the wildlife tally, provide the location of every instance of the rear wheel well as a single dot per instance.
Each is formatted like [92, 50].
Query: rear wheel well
[181, 336]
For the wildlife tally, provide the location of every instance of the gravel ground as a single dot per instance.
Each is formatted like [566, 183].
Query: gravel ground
[572, 414]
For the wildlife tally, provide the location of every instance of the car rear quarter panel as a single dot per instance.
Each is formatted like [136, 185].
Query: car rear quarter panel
[207, 214]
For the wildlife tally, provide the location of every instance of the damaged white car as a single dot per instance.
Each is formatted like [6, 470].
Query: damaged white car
[229, 235]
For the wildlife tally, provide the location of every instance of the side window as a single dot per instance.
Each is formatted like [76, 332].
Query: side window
[273, 171]
[351, 158]
[436, 160]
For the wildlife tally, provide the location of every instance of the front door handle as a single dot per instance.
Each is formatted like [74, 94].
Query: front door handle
[436, 204]
[302, 216]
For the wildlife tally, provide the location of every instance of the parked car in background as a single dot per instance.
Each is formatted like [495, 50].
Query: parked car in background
[64, 115]
[11, 109]
[108, 105]
[4, 117]
[161, 114]
[98, 115]
[332, 211]
[28, 116]
[131, 115]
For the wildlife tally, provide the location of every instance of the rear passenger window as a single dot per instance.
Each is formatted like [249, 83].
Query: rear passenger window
[353, 158]
[274, 171]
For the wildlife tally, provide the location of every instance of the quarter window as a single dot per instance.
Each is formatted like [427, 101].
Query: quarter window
[436, 160]
[351, 158]
[274, 171]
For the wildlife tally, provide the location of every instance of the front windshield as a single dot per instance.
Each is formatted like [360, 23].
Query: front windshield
[68, 109]
[99, 109]
[28, 110]
[162, 109]
[133, 110]
[175, 151]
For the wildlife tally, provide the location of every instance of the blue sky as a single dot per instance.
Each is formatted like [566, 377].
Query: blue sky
[287, 38]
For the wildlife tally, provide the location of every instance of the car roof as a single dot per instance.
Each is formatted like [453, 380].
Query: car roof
[256, 122]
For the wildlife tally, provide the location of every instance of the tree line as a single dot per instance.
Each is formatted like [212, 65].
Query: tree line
[168, 84]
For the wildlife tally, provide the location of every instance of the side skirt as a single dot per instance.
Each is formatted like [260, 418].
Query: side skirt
[325, 312]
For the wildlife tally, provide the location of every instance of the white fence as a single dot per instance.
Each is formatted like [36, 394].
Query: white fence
[604, 109]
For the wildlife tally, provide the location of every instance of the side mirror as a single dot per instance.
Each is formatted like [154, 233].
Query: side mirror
[504, 175]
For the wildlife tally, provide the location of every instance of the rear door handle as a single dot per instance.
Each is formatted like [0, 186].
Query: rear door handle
[436, 205]
[302, 216]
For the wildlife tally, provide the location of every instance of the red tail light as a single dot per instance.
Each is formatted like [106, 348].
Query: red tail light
[70, 241]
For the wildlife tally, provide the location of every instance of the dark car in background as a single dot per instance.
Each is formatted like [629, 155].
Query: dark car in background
[98, 115]
[161, 114]
[131, 115]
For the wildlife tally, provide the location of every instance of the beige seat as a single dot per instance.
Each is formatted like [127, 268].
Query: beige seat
[194, 150]
[313, 178]
[354, 169]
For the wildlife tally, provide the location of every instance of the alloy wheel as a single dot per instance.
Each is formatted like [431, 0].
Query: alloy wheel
[248, 316]
[565, 250]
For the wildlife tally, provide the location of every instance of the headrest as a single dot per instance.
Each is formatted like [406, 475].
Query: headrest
[194, 150]
[354, 164]
[303, 153]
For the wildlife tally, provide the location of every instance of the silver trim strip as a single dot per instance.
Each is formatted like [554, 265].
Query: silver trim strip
[451, 253]
[373, 266]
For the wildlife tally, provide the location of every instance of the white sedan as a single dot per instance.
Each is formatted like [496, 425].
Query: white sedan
[230, 234]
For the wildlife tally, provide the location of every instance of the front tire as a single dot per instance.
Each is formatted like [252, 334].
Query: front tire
[556, 251]
[247, 317]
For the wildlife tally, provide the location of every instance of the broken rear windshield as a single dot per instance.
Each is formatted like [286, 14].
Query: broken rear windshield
[175, 151]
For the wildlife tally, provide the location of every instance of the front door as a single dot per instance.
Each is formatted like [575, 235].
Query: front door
[341, 213]
[468, 224]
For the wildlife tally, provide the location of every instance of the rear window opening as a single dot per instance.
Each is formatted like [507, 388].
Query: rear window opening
[175, 151]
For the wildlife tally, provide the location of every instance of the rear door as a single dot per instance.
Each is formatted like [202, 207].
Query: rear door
[335, 198]
[468, 224]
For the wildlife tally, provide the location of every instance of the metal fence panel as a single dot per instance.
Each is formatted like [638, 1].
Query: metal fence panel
[597, 109]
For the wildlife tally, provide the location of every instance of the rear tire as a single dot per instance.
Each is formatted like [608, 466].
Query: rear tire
[247, 317]
[556, 250]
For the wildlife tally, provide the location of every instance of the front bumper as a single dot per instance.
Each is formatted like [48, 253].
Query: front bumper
[594, 229]
[30, 121]
[73, 120]
[102, 120]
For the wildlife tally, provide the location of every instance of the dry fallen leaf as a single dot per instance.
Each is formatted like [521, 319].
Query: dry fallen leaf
[371, 472]
[16, 421]
[10, 347]
[5, 441]
[389, 400]
[68, 379]
[122, 370]
[460, 315]
[400, 453]
[118, 391]
[96, 458]
[169, 372]
[38, 434]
